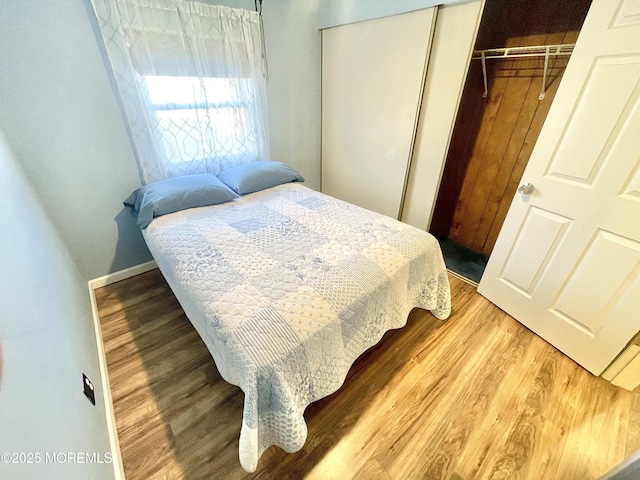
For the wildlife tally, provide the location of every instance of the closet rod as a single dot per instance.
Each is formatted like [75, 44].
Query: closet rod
[545, 51]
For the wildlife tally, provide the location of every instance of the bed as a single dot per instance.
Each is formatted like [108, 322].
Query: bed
[287, 287]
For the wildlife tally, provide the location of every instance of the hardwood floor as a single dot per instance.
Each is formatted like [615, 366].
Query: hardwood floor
[475, 397]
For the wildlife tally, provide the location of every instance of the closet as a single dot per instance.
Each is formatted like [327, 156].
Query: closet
[485, 138]
[494, 136]
[390, 91]
[372, 79]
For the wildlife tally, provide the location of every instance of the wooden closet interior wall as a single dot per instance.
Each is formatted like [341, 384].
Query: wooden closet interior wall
[494, 136]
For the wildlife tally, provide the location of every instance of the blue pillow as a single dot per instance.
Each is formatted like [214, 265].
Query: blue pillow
[254, 176]
[175, 194]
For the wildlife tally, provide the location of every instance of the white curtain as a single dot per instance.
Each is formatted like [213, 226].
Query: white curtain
[191, 80]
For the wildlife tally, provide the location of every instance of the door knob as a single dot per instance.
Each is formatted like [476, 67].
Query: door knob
[526, 188]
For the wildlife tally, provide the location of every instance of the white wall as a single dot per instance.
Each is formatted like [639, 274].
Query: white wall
[46, 341]
[62, 117]
[293, 49]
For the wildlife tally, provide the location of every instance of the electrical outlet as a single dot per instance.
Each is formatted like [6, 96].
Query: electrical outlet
[89, 391]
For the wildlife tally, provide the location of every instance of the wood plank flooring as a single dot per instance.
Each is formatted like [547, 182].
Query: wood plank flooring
[475, 397]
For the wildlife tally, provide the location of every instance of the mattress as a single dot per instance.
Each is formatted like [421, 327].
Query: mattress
[287, 287]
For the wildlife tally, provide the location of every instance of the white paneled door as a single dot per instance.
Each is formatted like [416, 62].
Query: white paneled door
[372, 80]
[567, 261]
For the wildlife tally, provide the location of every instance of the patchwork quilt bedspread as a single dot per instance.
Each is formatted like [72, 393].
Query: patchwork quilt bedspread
[287, 287]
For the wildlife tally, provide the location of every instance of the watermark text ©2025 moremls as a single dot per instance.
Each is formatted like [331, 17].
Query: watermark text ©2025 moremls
[55, 457]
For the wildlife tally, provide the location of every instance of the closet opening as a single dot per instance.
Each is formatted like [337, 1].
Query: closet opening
[494, 136]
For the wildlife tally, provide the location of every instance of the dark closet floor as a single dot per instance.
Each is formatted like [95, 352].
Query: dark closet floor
[462, 260]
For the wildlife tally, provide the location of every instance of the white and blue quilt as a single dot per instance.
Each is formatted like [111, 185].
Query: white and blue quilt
[287, 287]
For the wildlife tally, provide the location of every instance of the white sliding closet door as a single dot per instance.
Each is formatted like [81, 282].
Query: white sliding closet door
[372, 79]
[451, 49]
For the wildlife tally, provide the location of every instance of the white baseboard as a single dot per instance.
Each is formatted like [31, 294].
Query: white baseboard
[118, 466]
[122, 275]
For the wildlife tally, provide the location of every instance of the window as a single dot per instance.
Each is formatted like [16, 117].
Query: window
[191, 79]
[201, 118]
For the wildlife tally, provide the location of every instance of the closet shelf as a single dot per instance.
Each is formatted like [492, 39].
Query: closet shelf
[545, 51]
